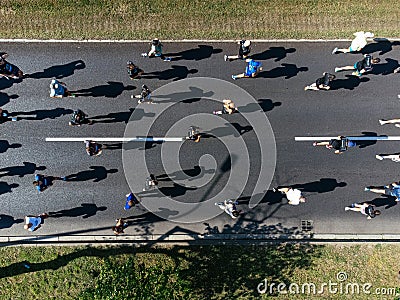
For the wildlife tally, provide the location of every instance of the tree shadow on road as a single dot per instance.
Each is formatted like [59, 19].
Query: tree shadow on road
[278, 53]
[42, 114]
[287, 70]
[7, 221]
[199, 53]
[111, 90]
[97, 173]
[59, 71]
[5, 145]
[86, 210]
[27, 169]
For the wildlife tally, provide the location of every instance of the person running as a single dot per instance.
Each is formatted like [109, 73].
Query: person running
[252, 69]
[119, 227]
[156, 50]
[93, 148]
[390, 121]
[145, 94]
[340, 144]
[131, 201]
[227, 108]
[244, 51]
[389, 190]
[294, 196]
[322, 83]
[358, 43]
[78, 118]
[365, 209]
[361, 66]
[59, 89]
[33, 223]
[134, 71]
[151, 183]
[229, 206]
[193, 134]
[42, 182]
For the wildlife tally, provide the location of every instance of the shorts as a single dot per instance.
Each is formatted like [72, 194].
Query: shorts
[351, 144]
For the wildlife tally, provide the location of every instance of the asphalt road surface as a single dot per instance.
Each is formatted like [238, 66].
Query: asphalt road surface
[94, 196]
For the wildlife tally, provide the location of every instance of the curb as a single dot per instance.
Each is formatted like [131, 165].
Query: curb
[200, 239]
[174, 41]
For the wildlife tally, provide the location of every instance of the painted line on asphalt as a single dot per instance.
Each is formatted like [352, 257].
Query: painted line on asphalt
[170, 41]
[353, 138]
[115, 139]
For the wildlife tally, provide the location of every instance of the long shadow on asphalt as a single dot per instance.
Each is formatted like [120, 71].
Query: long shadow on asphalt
[387, 201]
[199, 53]
[96, 173]
[350, 83]
[227, 130]
[7, 221]
[5, 145]
[278, 53]
[386, 68]
[86, 210]
[264, 104]
[174, 73]
[287, 70]
[186, 97]
[27, 169]
[111, 90]
[123, 116]
[182, 175]
[7, 188]
[383, 45]
[42, 114]
[59, 71]
[5, 98]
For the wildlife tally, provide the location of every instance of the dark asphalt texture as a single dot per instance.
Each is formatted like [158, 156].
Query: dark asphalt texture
[91, 201]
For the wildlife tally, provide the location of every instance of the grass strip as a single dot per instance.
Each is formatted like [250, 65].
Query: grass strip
[198, 272]
[196, 19]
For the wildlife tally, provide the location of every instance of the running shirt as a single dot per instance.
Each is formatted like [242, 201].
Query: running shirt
[252, 67]
[35, 221]
[293, 196]
[57, 89]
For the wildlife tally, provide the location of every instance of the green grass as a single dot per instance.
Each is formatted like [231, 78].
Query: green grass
[200, 19]
[198, 272]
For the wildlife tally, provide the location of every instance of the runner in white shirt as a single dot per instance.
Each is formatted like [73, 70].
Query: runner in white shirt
[294, 196]
[359, 42]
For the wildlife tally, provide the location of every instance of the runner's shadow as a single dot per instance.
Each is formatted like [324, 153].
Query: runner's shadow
[176, 190]
[278, 53]
[385, 200]
[183, 174]
[5, 98]
[5, 145]
[7, 188]
[386, 68]
[269, 197]
[97, 173]
[7, 221]
[42, 114]
[123, 116]
[265, 104]
[287, 70]
[21, 171]
[364, 144]
[175, 73]
[199, 53]
[111, 90]
[381, 44]
[324, 185]
[59, 71]
[86, 210]
[186, 97]
[350, 83]
[115, 146]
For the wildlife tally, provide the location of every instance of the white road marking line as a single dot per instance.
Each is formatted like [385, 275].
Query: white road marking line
[115, 139]
[353, 138]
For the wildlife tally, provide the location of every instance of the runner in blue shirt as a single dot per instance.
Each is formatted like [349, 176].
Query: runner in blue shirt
[390, 190]
[59, 89]
[252, 69]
